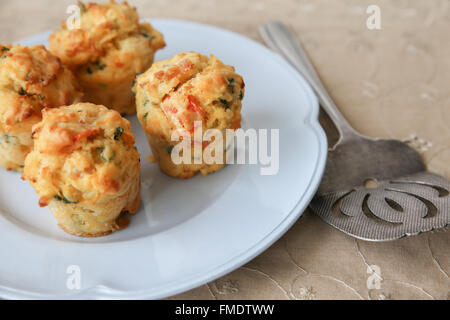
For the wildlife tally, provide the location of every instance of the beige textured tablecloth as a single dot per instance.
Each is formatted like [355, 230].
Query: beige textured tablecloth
[389, 83]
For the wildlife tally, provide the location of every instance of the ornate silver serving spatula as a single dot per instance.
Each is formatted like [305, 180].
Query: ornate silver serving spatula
[372, 189]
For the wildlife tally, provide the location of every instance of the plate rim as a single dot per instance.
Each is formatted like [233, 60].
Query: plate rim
[169, 289]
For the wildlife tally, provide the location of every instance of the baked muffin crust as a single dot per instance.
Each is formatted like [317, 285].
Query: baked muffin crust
[107, 52]
[31, 78]
[85, 167]
[175, 93]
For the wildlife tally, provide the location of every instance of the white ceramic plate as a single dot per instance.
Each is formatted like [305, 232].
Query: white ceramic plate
[187, 232]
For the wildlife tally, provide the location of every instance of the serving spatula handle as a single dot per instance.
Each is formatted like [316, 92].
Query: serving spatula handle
[282, 40]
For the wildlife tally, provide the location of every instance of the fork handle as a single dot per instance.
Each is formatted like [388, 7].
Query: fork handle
[282, 40]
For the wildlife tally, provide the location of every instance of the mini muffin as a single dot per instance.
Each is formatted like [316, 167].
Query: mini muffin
[175, 93]
[31, 78]
[85, 167]
[107, 52]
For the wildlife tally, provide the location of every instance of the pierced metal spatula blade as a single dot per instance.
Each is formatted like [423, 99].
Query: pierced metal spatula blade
[402, 198]
[379, 190]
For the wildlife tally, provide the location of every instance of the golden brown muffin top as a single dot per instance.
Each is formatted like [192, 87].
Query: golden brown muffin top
[191, 87]
[82, 152]
[31, 78]
[103, 28]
